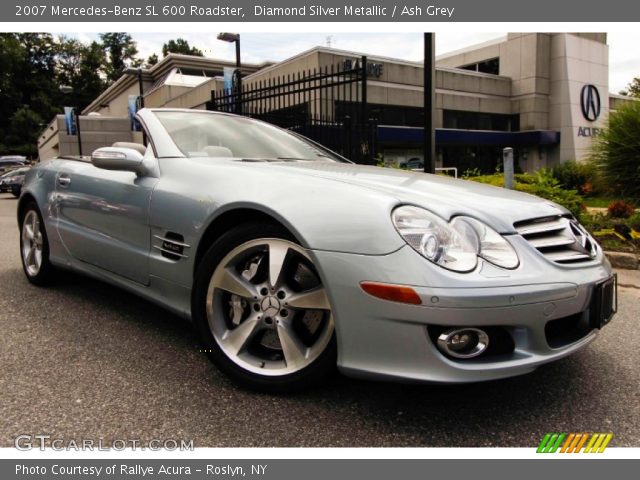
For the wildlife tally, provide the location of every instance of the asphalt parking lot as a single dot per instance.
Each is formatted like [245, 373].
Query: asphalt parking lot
[86, 360]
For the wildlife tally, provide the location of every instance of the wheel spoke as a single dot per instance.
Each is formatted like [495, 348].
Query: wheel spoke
[29, 232]
[315, 299]
[238, 338]
[294, 351]
[277, 255]
[29, 259]
[231, 282]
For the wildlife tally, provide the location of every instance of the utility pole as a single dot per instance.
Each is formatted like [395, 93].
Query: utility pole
[429, 145]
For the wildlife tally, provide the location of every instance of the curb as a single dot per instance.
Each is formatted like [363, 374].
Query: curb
[628, 261]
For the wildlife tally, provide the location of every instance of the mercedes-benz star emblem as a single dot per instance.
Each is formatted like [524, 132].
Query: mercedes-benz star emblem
[270, 306]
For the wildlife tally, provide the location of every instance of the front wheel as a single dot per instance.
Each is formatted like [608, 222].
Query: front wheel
[263, 312]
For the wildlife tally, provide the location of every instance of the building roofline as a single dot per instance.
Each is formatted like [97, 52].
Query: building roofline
[335, 51]
[472, 48]
[152, 74]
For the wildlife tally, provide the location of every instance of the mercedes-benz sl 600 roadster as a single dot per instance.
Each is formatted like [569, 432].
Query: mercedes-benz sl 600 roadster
[291, 260]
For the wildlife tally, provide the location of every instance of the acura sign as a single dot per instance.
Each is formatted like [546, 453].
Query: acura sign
[590, 102]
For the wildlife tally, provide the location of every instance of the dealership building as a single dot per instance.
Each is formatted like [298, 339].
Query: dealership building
[544, 94]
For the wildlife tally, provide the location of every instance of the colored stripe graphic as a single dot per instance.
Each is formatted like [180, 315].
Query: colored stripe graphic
[553, 442]
[581, 443]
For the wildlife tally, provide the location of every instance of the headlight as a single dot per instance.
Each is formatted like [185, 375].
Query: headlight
[493, 246]
[436, 240]
[456, 245]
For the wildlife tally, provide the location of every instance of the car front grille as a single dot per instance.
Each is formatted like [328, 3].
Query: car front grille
[560, 239]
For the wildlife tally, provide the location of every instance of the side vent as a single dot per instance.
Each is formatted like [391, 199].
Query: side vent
[171, 246]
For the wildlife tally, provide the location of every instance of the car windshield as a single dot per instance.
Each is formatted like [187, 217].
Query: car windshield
[210, 135]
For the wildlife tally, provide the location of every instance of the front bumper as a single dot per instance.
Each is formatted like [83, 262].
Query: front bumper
[382, 339]
[8, 187]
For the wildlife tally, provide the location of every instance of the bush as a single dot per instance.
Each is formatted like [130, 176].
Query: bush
[574, 175]
[620, 209]
[542, 184]
[616, 151]
[634, 221]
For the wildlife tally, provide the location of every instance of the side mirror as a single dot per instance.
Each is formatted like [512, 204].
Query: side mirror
[119, 158]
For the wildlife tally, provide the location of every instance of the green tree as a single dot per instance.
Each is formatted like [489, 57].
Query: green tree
[633, 89]
[22, 134]
[180, 45]
[152, 60]
[89, 82]
[28, 84]
[616, 151]
[33, 66]
[80, 66]
[121, 52]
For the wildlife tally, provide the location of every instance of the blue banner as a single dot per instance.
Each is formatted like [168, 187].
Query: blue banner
[134, 106]
[70, 120]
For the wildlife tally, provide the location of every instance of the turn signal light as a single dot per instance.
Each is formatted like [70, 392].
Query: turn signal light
[393, 293]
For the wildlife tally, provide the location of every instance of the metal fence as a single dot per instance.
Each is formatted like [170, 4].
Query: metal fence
[328, 105]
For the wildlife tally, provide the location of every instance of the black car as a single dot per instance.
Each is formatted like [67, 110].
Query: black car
[12, 181]
[414, 164]
[10, 162]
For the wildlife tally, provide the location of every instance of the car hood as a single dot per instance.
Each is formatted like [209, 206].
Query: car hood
[445, 196]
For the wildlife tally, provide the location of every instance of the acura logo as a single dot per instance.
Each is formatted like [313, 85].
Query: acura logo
[590, 102]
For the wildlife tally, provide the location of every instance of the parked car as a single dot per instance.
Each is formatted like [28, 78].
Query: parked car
[414, 164]
[12, 181]
[9, 162]
[291, 260]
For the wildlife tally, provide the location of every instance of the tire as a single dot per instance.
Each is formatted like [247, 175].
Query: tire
[34, 247]
[15, 191]
[269, 329]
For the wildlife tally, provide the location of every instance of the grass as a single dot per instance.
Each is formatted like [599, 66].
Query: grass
[598, 202]
[604, 202]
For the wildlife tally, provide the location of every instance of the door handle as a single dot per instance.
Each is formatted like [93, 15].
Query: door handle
[64, 181]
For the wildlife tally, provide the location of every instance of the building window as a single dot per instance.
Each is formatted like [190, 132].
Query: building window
[462, 120]
[491, 66]
[382, 114]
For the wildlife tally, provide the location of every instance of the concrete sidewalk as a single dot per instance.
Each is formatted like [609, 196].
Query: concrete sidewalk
[628, 278]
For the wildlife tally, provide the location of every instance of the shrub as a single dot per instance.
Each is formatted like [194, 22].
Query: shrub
[634, 221]
[620, 209]
[616, 151]
[543, 184]
[574, 175]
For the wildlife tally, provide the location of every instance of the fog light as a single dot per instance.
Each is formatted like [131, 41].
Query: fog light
[463, 342]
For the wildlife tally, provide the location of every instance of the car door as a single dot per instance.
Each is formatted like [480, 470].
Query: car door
[102, 218]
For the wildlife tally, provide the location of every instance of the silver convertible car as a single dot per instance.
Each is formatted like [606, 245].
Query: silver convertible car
[292, 260]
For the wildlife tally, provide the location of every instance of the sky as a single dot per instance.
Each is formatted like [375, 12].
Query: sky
[624, 58]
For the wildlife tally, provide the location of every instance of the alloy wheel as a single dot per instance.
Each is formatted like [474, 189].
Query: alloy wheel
[267, 309]
[32, 243]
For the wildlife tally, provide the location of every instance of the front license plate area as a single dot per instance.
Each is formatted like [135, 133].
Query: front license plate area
[604, 302]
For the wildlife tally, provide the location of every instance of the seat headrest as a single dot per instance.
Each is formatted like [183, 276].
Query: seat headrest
[134, 146]
[216, 151]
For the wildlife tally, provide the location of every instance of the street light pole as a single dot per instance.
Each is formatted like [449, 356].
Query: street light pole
[238, 51]
[235, 38]
[232, 38]
[77, 114]
[138, 72]
[67, 89]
